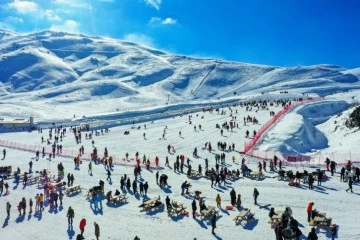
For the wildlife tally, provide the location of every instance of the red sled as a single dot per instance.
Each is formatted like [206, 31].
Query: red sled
[229, 207]
[186, 213]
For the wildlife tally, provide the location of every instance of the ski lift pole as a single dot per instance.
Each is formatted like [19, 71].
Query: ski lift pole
[350, 155]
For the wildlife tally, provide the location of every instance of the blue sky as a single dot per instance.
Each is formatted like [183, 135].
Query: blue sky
[273, 32]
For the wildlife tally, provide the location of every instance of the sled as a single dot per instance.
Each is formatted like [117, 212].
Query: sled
[229, 207]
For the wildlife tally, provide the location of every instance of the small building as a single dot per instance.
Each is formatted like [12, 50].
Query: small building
[17, 124]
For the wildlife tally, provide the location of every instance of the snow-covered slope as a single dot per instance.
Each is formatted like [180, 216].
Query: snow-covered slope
[129, 72]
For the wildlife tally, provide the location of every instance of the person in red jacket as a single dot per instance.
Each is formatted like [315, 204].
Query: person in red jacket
[309, 210]
[82, 226]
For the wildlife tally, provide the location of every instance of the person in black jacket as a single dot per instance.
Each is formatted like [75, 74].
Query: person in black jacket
[312, 235]
[332, 167]
[213, 223]
[272, 212]
[168, 203]
[194, 208]
[350, 184]
[342, 174]
[70, 215]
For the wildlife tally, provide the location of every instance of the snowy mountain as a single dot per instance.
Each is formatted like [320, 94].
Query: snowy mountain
[61, 67]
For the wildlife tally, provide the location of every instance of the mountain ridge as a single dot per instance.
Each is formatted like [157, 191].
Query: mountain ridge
[76, 64]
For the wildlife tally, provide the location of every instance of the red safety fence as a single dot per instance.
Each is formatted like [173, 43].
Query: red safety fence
[67, 153]
[249, 146]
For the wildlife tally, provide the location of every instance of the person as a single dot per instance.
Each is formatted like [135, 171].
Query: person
[70, 215]
[333, 231]
[68, 179]
[312, 235]
[255, 195]
[294, 226]
[97, 230]
[272, 212]
[288, 212]
[30, 205]
[183, 186]
[146, 187]
[108, 175]
[309, 210]
[72, 179]
[238, 202]
[61, 197]
[82, 226]
[350, 184]
[168, 204]
[8, 208]
[342, 174]
[194, 208]
[213, 223]
[1, 186]
[218, 201]
[332, 167]
[90, 168]
[280, 227]
[233, 196]
[157, 177]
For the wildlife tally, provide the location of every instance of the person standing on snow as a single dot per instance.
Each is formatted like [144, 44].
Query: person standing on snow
[255, 195]
[309, 210]
[213, 223]
[108, 175]
[218, 201]
[350, 184]
[8, 208]
[70, 215]
[194, 208]
[82, 226]
[97, 230]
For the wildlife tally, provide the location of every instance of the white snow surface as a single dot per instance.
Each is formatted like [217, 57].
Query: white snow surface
[54, 76]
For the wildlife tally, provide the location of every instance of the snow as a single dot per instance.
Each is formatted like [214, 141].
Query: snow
[108, 88]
